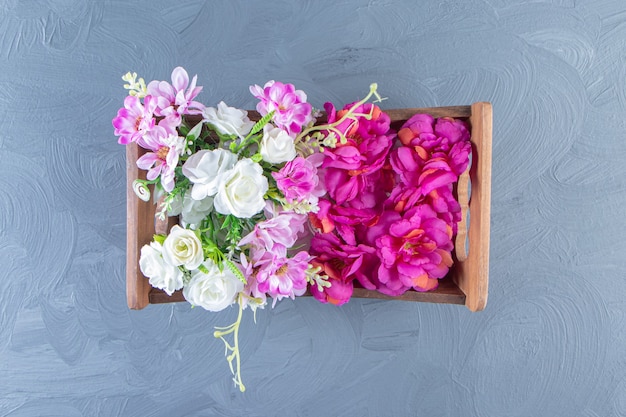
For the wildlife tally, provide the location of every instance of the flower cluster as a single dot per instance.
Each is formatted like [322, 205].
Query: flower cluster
[275, 207]
[388, 209]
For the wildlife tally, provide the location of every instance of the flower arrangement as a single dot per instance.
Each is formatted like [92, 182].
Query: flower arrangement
[288, 204]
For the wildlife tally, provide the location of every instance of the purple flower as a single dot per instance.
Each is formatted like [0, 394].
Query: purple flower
[162, 160]
[299, 182]
[176, 99]
[279, 230]
[340, 262]
[338, 293]
[292, 112]
[134, 120]
[282, 276]
[414, 249]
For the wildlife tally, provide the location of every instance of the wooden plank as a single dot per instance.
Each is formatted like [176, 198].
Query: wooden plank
[472, 275]
[139, 231]
[447, 293]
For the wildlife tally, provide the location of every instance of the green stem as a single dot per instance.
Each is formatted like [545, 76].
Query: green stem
[349, 114]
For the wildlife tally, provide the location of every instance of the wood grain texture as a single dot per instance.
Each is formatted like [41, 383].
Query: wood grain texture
[467, 282]
[472, 275]
[139, 231]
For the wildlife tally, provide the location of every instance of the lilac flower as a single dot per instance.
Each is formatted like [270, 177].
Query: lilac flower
[281, 276]
[280, 230]
[299, 182]
[292, 110]
[134, 120]
[166, 149]
[176, 99]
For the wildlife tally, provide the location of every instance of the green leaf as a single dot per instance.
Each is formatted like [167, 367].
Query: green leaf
[203, 269]
[159, 238]
[261, 123]
[233, 268]
[256, 157]
[195, 132]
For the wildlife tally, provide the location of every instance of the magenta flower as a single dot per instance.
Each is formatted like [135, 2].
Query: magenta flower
[299, 182]
[365, 121]
[368, 140]
[415, 250]
[441, 200]
[338, 293]
[430, 136]
[340, 262]
[292, 112]
[162, 160]
[350, 165]
[176, 99]
[134, 120]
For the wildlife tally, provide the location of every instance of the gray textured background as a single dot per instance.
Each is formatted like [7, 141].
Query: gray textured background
[552, 339]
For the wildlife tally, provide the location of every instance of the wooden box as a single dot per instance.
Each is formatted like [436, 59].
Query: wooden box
[467, 282]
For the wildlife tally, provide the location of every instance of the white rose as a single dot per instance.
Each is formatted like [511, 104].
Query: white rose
[191, 211]
[182, 247]
[228, 120]
[204, 169]
[241, 190]
[213, 291]
[161, 274]
[276, 146]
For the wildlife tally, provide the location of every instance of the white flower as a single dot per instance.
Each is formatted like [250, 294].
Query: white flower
[191, 211]
[214, 290]
[161, 274]
[276, 146]
[205, 168]
[241, 190]
[182, 247]
[228, 120]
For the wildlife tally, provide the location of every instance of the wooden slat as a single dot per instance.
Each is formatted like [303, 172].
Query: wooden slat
[472, 275]
[139, 231]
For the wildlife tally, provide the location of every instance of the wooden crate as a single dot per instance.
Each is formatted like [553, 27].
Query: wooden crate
[467, 282]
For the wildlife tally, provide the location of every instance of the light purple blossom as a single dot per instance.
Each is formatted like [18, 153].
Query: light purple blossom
[162, 160]
[299, 182]
[134, 120]
[176, 99]
[281, 276]
[292, 110]
[281, 230]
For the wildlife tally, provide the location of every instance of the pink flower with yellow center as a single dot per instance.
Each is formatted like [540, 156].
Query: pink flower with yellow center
[292, 112]
[176, 99]
[134, 120]
[162, 160]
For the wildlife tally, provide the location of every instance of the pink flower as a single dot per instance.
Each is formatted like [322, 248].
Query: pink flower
[292, 112]
[338, 293]
[441, 200]
[349, 166]
[166, 149]
[433, 136]
[368, 140]
[280, 230]
[176, 99]
[134, 120]
[281, 276]
[341, 263]
[415, 250]
[299, 182]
